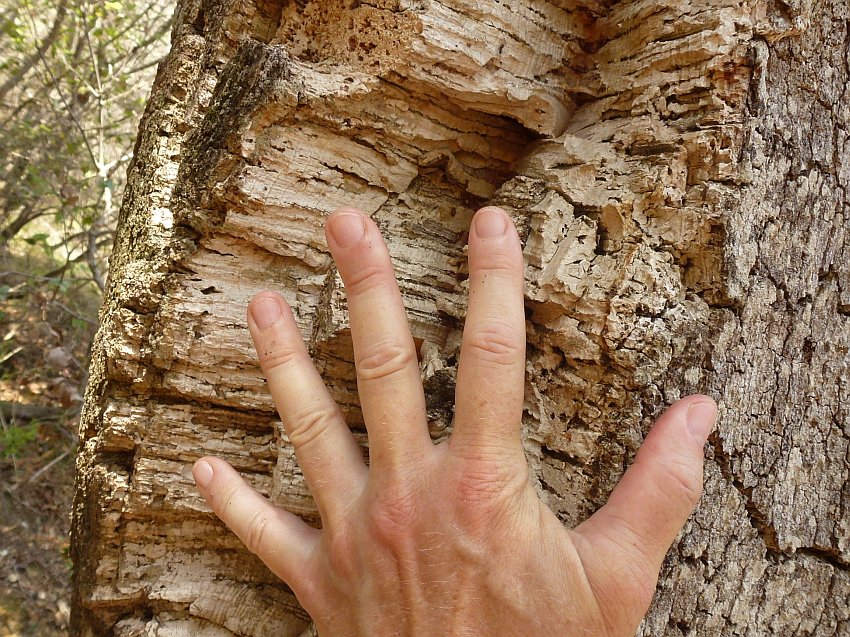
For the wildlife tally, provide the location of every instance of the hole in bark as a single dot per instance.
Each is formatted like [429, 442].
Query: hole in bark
[200, 21]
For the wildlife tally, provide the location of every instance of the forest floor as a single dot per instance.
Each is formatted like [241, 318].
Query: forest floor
[44, 342]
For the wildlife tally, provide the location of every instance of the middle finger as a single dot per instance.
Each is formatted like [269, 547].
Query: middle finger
[388, 379]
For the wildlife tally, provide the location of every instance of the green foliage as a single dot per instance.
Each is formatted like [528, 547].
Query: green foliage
[14, 439]
[74, 77]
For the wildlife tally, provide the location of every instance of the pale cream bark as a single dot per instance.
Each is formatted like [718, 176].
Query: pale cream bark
[680, 174]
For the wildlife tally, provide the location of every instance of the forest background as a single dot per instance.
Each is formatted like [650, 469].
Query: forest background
[74, 79]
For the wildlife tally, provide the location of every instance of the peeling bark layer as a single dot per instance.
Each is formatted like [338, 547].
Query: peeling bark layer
[679, 173]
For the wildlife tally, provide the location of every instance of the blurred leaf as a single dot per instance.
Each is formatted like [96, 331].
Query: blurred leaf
[6, 355]
[40, 237]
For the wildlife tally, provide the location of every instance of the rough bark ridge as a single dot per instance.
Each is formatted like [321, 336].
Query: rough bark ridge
[680, 174]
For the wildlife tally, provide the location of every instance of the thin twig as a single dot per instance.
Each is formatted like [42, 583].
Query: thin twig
[58, 89]
[44, 469]
[68, 310]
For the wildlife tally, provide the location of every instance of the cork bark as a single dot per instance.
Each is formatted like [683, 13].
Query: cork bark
[680, 174]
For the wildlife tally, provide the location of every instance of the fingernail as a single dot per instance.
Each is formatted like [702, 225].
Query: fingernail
[490, 222]
[346, 228]
[203, 473]
[701, 419]
[265, 311]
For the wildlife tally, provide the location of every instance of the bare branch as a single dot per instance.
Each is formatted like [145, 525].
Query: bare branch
[32, 60]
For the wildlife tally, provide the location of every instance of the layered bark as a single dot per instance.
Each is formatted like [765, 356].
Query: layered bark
[680, 176]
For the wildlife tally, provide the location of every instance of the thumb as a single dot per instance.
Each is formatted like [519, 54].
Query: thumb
[655, 497]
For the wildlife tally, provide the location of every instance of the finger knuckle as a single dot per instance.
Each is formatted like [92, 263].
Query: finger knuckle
[484, 492]
[629, 545]
[480, 486]
[276, 354]
[500, 264]
[223, 499]
[392, 516]
[688, 483]
[311, 424]
[386, 360]
[257, 531]
[368, 277]
[496, 343]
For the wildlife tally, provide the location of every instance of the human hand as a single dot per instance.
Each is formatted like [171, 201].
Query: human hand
[447, 539]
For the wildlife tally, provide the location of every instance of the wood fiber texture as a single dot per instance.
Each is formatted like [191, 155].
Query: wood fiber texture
[679, 172]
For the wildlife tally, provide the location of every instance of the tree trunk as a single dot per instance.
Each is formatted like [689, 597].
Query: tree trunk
[680, 174]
